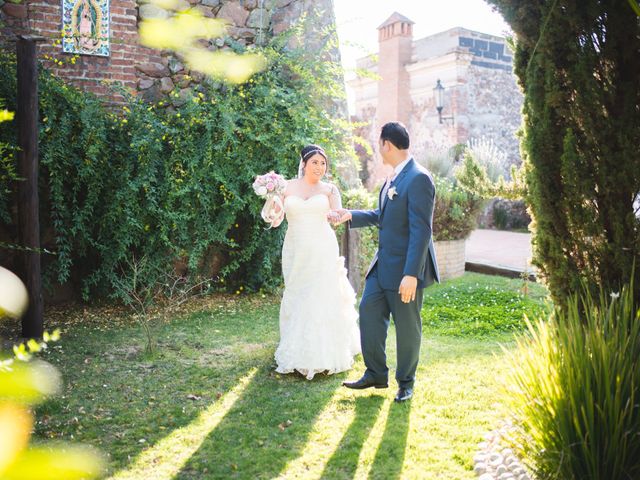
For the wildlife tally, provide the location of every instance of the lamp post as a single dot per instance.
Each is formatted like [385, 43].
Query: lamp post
[438, 93]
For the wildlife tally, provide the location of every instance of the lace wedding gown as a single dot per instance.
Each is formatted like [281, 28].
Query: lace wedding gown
[318, 329]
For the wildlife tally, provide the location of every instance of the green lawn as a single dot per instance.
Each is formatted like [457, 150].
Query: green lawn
[209, 405]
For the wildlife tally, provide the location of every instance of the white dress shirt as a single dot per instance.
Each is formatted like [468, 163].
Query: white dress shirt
[399, 168]
[387, 184]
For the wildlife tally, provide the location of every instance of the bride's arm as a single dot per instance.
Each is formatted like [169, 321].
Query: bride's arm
[334, 198]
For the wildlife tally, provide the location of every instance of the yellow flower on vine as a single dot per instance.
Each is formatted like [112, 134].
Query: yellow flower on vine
[6, 115]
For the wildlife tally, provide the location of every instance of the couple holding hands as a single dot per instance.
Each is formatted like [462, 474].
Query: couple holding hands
[319, 329]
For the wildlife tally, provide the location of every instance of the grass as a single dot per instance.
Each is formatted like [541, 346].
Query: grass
[208, 404]
[481, 305]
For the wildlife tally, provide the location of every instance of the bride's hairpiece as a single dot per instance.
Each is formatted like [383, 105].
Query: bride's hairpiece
[311, 153]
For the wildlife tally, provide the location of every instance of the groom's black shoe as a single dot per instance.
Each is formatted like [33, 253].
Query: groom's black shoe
[403, 394]
[363, 383]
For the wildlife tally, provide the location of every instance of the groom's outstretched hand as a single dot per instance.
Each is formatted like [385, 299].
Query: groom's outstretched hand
[339, 216]
[407, 288]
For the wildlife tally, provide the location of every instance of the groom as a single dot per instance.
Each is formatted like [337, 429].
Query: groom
[403, 266]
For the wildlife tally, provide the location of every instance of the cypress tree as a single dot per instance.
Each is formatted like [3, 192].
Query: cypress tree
[578, 63]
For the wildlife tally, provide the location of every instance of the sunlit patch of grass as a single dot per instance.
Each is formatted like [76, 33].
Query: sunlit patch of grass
[165, 459]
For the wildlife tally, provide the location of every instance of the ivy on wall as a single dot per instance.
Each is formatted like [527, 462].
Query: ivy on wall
[173, 184]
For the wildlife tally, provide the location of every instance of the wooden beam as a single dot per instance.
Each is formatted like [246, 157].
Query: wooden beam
[28, 202]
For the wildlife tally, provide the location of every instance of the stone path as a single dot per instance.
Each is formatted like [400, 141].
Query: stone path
[497, 248]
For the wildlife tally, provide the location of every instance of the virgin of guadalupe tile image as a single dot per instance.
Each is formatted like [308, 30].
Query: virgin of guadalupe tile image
[85, 25]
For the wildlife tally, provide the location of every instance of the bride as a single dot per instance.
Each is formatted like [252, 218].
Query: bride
[318, 329]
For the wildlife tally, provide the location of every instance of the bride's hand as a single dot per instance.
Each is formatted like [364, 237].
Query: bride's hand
[333, 217]
[343, 215]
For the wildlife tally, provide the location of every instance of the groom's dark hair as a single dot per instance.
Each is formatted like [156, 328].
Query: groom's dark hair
[396, 133]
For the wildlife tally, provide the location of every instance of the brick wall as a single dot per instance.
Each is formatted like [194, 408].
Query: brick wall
[91, 73]
[450, 256]
[150, 72]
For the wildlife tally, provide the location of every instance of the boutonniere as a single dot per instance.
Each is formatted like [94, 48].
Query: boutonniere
[392, 192]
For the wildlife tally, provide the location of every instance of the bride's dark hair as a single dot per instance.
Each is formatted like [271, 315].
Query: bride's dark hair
[310, 150]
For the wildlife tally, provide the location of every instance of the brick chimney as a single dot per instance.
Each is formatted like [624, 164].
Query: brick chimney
[395, 37]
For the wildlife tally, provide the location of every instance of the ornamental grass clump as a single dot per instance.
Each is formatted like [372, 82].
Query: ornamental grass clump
[574, 390]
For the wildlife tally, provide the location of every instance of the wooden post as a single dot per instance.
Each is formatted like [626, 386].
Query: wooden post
[28, 203]
[346, 248]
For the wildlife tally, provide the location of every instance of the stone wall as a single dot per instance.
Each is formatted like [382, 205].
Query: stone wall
[493, 102]
[484, 102]
[150, 72]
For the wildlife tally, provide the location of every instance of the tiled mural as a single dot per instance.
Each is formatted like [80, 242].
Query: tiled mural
[85, 27]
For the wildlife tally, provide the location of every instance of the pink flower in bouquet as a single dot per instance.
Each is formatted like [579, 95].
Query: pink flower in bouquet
[268, 184]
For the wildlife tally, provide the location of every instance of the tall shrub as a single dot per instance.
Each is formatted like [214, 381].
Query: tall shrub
[574, 390]
[579, 63]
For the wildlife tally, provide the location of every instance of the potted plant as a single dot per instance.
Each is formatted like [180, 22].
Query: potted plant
[454, 218]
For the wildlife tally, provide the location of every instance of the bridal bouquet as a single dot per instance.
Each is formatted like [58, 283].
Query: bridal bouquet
[271, 185]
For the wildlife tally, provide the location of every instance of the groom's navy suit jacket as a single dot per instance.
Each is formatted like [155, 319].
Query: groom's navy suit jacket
[404, 229]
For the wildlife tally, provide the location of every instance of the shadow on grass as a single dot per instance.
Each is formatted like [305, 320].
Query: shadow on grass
[122, 402]
[267, 427]
[344, 462]
[389, 458]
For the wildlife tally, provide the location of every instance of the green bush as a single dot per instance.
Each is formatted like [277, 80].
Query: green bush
[362, 199]
[456, 210]
[174, 184]
[574, 390]
[510, 215]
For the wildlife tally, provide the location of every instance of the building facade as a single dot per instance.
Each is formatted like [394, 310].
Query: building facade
[481, 96]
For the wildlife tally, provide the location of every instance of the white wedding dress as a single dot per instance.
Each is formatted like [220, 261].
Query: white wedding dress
[318, 319]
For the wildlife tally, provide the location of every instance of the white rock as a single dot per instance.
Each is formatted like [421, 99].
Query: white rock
[511, 460]
[506, 476]
[524, 476]
[480, 468]
[518, 470]
[507, 452]
[480, 458]
[501, 469]
[483, 445]
[486, 476]
[496, 459]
